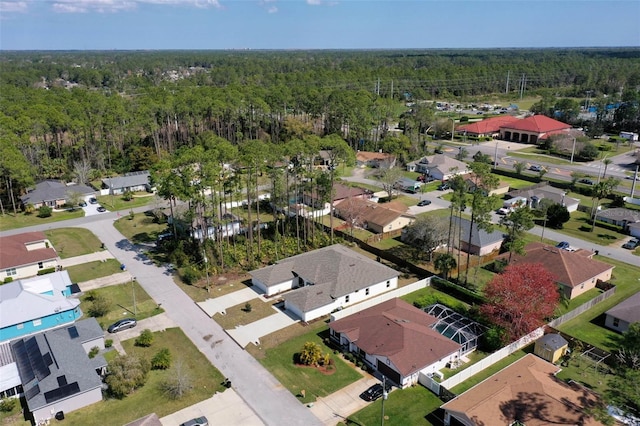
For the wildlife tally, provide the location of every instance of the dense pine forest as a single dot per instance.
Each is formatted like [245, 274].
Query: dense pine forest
[85, 115]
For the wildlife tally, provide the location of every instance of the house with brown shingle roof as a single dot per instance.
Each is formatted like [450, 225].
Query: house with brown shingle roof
[527, 392]
[375, 159]
[625, 313]
[532, 129]
[375, 217]
[23, 255]
[396, 339]
[318, 282]
[575, 272]
[340, 193]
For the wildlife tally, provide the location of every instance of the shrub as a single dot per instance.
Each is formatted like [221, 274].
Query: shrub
[8, 280]
[161, 360]
[45, 211]
[94, 351]
[46, 271]
[190, 275]
[8, 404]
[108, 343]
[247, 307]
[145, 339]
[100, 306]
[426, 300]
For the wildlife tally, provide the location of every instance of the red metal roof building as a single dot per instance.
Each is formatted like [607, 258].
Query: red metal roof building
[532, 129]
[487, 127]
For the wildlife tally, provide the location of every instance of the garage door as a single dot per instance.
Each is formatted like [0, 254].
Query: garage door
[391, 374]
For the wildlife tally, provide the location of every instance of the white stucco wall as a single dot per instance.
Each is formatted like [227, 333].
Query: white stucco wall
[274, 289]
[621, 327]
[26, 271]
[67, 405]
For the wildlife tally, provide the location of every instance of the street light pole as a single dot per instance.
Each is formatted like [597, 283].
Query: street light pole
[573, 150]
[453, 127]
[206, 267]
[495, 157]
[133, 290]
[384, 396]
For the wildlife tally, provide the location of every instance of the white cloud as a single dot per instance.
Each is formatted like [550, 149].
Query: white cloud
[314, 2]
[13, 6]
[102, 6]
[272, 9]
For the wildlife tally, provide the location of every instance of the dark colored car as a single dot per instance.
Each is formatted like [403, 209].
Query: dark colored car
[82, 203]
[373, 393]
[198, 421]
[535, 168]
[443, 187]
[101, 209]
[423, 203]
[122, 324]
[632, 244]
[438, 151]
[563, 245]
[93, 200]
[586, 181]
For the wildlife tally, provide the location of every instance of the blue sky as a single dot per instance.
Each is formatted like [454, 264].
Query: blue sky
[315, 24]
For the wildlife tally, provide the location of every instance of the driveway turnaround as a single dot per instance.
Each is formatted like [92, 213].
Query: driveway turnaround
[101, 255]
[220, 304]
[336, 407]
[251, 333]
[268, 399]
[226, 408]
[114, 279]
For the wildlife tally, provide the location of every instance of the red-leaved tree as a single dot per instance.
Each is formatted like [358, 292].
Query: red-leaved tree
[520, 298]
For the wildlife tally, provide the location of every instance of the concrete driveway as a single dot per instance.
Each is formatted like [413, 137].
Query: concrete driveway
[336, 407]
[220, 304]
[251, 333]
[226, 408]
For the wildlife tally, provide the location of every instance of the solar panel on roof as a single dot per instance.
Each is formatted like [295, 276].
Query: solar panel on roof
[47, 359]
[32, 391]
[73, 332]
[22, 359]
[62, 380]
[61, 392]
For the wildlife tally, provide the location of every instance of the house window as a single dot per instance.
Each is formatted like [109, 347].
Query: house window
[582, 285]
[11, 272]
[366, 292]
[20, 326]
[346, 299]
[388, 284]
[40, 265]
[616, 322]
[37, 323]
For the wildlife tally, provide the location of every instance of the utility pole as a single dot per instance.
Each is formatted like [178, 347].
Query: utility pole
[635, 179]
[384, 397]
[522, 85]
[391, 97]
[133, 289]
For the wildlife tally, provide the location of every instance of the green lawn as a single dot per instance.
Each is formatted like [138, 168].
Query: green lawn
[589, 326]
[9, 221]
[116, 202]
[570, 305]
[91, 270]
[279, 361]
[238, 314]
[412, 406]
[579, 226]
[205, 379]
[586, 372]
[121, 303]
[71, 242]
[436, 296]
[515, 183]
[474, 380]
[140, 229]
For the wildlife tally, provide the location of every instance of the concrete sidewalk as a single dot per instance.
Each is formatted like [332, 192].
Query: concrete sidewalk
[86, 258]
[336, 407]
[251, 333]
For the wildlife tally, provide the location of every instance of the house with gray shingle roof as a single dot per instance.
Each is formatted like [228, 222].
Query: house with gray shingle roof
[619, 216]
[439, 166]
[134, 181]
[317, 283]
[625, 313]
[54, 193]
[56, 372]
[482, 242]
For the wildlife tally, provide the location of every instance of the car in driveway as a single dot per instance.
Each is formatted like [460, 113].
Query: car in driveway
[423, 203]
[123, 324]
[632, 244]
[101, 209]
[443, 187]
[504, 211]
[563, 245]
[535, 168]
[373, 393]
[198, 421]
[93, 200]
[82, 203]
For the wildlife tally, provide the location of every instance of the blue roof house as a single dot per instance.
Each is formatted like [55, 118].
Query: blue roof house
[36, 304]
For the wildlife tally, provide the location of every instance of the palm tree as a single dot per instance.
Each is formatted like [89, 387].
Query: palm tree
[444, 263]
[519, 167]
[606, 162]
[601, 190]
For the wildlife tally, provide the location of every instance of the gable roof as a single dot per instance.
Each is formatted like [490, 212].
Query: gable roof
[33, 298]
[537, 124]
[52, 190]
[620, 214]
[488, 125]
[53, 365]
[444, 163]
[375, 213]
[628, 310]
[14, 252]
[127, 180]
[552, 341]
[399, 331]
[518, 391]
[568, 268]
[334, 271]
[479, 237]
[543, 190]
